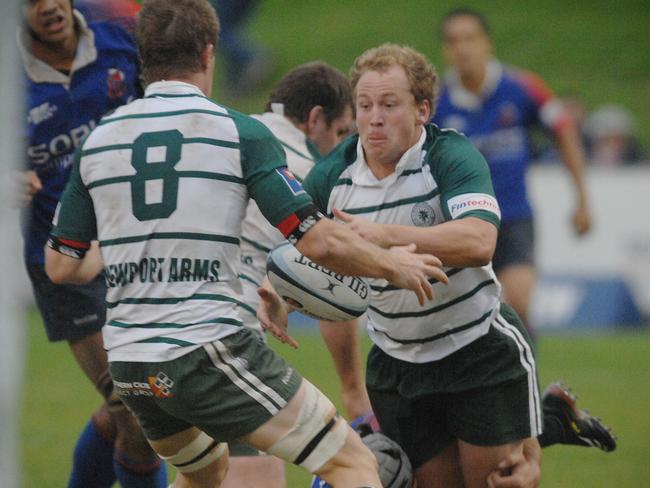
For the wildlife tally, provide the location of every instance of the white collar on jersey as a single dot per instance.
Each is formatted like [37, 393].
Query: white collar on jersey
[285, 130]
[361, 174]
[172, 87]
[465, 99]
[40, 72]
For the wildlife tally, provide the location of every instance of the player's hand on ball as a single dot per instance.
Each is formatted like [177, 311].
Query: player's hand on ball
[273, 314]
[413, 271]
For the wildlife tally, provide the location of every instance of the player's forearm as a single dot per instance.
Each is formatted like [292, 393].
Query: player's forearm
[574, 159]
[467, 242]
[341, 250]
[65, 269]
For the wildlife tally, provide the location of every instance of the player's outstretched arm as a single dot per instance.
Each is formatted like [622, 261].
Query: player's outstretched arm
[341, 250]
[568, 142]
[63, 268]
[466, 242]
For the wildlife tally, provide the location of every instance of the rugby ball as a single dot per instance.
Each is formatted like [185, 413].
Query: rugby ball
[313, 289]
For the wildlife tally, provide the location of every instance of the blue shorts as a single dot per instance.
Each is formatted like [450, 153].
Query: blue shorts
[515, 244]
[69, 312]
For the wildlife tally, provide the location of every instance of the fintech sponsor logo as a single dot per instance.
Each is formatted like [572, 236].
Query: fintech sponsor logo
[289, 178]
[470, 202]
[41, 113]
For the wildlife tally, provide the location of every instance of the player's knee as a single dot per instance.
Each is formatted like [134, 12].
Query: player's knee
[316, 436]
[203, 460]
[104, 423]
[354, 455]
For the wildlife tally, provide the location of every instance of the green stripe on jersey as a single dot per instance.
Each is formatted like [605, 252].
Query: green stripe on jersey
[173, 113]
[165, 340]
[435, 337]
[191, 236]
[438, 308]
[207, 175]
[187, 140]
[380, 289]
[171, 325]
[348, 181]
[249, 279]
[101, 149]
[175, 300]
[257, 246]
[397, 203]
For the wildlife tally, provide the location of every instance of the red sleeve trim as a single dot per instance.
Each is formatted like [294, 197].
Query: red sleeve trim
[75, 244]
[289, 225]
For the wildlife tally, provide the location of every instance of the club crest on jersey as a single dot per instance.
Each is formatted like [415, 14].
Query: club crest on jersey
[508, 115]
[116, 83]
[161, 385]
[290, 179]
[422, 214]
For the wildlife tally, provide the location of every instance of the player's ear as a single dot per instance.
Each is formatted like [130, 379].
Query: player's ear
[207, 56]
[424, 112]
[314, 116]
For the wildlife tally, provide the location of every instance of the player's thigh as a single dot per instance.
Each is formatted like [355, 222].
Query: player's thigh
[515, 244]
[478, 462]
[69, 312]
[254, 472]
[441, 471]
[416, 422]
[227, 388]
[518, 283]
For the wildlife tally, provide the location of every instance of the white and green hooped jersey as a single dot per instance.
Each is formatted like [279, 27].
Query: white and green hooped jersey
[163, 184]
[442, 177]
[258, 236]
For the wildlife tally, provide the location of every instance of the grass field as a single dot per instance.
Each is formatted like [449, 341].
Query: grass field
[597, 49]
[611, 373]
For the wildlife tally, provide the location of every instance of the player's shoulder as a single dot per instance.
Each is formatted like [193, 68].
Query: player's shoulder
[111, 35]
[448, 150]
[443, 140]
[342, 156]
[529, 82]
[249, 129]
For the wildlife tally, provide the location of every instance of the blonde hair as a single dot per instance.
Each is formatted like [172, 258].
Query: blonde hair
[420, 72]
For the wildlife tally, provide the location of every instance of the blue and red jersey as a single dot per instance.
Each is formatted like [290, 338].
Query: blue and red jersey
[62, 110]
[498, 122]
